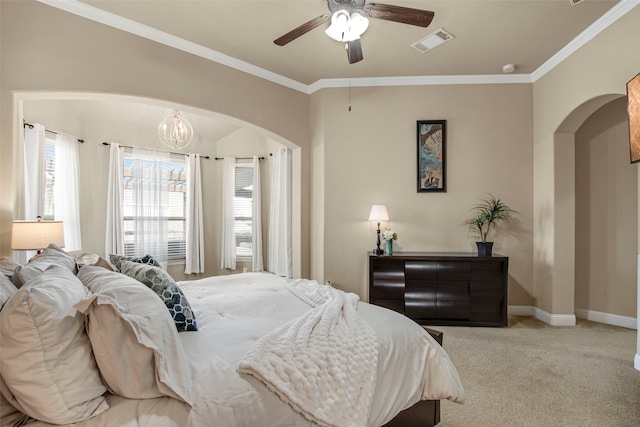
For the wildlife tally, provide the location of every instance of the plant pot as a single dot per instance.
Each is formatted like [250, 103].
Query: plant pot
[484, 248]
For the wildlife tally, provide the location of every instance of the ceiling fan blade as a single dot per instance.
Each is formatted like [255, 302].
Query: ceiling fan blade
[301, 30]
[354, 51]
[404, 15]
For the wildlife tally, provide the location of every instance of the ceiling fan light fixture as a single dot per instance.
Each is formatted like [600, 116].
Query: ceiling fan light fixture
[175, 132]
[345, 27]
[359, 24]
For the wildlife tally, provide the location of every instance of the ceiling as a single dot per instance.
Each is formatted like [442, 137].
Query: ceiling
[488, 34]
[531, 34]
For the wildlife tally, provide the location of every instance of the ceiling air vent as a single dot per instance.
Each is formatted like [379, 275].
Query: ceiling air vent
[575, 2]
[433, 40]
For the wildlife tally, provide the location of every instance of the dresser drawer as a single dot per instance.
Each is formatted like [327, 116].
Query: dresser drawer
[387, 280]
[487, 271]
[421, 270]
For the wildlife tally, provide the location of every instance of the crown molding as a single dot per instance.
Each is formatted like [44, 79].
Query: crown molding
[86, 11]
[611, 16]
[420, 81]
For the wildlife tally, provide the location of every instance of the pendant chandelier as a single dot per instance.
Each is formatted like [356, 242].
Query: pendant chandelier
[175, 132]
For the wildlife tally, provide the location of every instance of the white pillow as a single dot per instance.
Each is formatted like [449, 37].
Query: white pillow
[133, 336]
[7, 289]
[8, 266]
[52, 255]
[46, 359]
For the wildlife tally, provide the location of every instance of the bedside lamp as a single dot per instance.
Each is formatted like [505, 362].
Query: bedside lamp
[378, 213]
[36, 235]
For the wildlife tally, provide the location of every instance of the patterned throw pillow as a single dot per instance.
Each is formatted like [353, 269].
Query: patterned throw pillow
[162, 284]
[116, 260]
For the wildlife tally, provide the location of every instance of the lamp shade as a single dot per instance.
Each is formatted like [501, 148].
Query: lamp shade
[378, 213]
[36, 235]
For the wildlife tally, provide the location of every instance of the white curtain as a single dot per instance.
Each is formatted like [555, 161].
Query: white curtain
[228, 258]
[256, 216]
[114, 242]
[149, 207]
[280, 240]
[34, 145]
[194, 219]
[67, 202]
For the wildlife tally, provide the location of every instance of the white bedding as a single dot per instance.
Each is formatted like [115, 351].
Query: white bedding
[323, 363]
[233, 313]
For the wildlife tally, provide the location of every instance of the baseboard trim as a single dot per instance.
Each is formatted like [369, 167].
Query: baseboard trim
[555, 319]
[552, 319]
[520, 310]
[569, 320]
[608, 318]
[636, 362]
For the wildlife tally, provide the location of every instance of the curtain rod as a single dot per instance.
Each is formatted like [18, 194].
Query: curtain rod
[170, 152]
[30, 126]
[241, 158]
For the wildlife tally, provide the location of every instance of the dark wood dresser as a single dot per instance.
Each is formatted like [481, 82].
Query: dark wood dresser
[443, 288]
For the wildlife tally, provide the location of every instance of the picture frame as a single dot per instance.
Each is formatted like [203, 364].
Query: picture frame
[633, 110]
[431, 156]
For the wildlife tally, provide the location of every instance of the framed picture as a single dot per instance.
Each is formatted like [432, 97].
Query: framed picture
[633, 109]
[432, 143]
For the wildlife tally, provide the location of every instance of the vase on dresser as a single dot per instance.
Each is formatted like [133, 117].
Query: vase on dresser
[388, 247]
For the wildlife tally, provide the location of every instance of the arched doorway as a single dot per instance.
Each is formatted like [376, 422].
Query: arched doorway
[554, 255]
[132, 120]
[606, 189]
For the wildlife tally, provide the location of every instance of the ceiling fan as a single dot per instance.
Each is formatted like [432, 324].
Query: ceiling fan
[349, 19]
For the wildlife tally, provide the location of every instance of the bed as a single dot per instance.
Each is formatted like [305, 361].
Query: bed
[217, 375]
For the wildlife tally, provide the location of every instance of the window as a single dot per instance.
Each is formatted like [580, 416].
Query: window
[243, 211]
[48, 209]
[51, 180]
[174, 199]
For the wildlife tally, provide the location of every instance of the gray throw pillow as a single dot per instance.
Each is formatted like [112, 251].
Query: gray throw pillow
[116, 260]
[163, 284]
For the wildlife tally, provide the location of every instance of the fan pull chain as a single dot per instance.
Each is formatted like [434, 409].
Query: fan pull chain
[349, 94]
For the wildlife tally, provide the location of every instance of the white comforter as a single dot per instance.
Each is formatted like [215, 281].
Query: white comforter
[234, 313]
[322, 363]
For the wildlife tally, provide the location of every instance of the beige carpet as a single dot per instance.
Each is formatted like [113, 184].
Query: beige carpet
[533, 374]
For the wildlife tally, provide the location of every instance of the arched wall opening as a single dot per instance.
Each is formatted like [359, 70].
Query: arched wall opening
[130, 120]
[606, 189]
[564, 194]
[561, 276]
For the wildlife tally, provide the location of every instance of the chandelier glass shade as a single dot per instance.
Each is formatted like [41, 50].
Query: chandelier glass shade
[345, 27]
[175, 131]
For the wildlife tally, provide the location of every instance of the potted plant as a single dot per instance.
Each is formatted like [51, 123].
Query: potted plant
[487, 214]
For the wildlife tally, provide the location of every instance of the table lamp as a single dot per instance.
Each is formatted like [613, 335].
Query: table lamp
[378, 213]
[36, 235]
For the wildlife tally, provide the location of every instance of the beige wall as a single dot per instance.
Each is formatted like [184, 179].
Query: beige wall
[369, 157]
[606, 214]
[563, 99]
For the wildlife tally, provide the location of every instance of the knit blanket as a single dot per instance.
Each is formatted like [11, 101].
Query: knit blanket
[323, 364]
